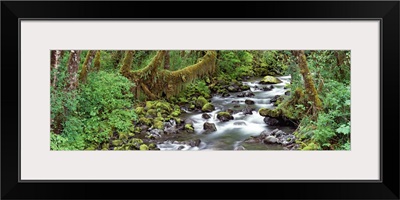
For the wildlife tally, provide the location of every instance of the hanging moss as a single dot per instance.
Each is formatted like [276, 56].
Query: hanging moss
[154, 81]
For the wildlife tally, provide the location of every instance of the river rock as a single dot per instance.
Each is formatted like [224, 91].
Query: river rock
[232, 88]
[235, 101]
[270, 140]
[268, 88]
[270, 80]
[189, 121]
[208, 107]
[287, 139]
[236, 106]
[245, 94]
[209, 127]
[271, 121]
[195, 143]
[277, 133]
[275, 98]
[239, 123]
[287, 93]
[181, 147]
[206, 116]
[224, 116]
[226, 95]
[249, 102]
[248, 110]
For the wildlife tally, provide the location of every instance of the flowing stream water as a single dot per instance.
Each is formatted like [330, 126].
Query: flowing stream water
[231, 134]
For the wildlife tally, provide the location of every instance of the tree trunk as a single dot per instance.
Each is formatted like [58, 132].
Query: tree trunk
[127, 63]
[73, 64]
[311, 92]
[97, 61]
[166, 60]
[86, 66]
[55, 62]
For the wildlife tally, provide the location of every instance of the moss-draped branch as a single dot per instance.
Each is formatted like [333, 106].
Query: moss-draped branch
[154, 81]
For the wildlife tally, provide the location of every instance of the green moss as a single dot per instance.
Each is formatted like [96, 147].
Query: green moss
[152, 112]
[105, 146]
[270, 80]
[122, 136]
[311, 146]
[201, 101]
[176, 113]
[91, 148]
[192, 106]
[139, 110]
[189, 127]
[152, 146]
[158, 124]
[117, 142]
[143, 147]
[145, 121]
[208, 107]
[224, 115]
[269, 113]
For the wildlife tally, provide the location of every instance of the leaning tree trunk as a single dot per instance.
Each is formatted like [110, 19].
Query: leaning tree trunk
[86, 66]
[311, 92]
[73, 64]
[55, 62]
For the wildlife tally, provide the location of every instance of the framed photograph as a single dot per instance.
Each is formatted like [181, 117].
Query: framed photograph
[292, 99]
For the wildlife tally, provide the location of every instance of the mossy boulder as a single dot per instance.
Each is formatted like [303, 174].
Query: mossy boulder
[143, 147]
[208, 107]
[224, 116]
[266, 112]
[270, 80]
[176, 113]
[145, 121]
[159, 105]
[152, 112]
[201, 101]
[158, 124]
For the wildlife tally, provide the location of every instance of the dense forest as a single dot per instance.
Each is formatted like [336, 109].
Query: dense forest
[200, 100]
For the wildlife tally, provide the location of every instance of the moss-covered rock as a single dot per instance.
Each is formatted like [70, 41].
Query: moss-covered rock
[208, 107]
[152, 112]
[200, 102]
[158, 124]
[224, 116]
[105, 146]
[152, 146]
[143, 147]
[176, 113]
[270, 80]
[266, 112]
[145, 121]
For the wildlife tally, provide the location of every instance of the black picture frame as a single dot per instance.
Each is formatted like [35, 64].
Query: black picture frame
[386, 11]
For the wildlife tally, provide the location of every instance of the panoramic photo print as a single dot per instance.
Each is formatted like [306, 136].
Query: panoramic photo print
[199, 100]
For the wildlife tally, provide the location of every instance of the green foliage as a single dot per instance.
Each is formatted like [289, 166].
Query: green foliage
[235, 63]
[103, 106]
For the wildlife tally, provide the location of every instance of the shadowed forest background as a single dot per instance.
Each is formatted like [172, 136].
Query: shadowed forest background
[200, 100]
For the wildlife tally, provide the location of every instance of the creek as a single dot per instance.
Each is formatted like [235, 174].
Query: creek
[231, 134]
